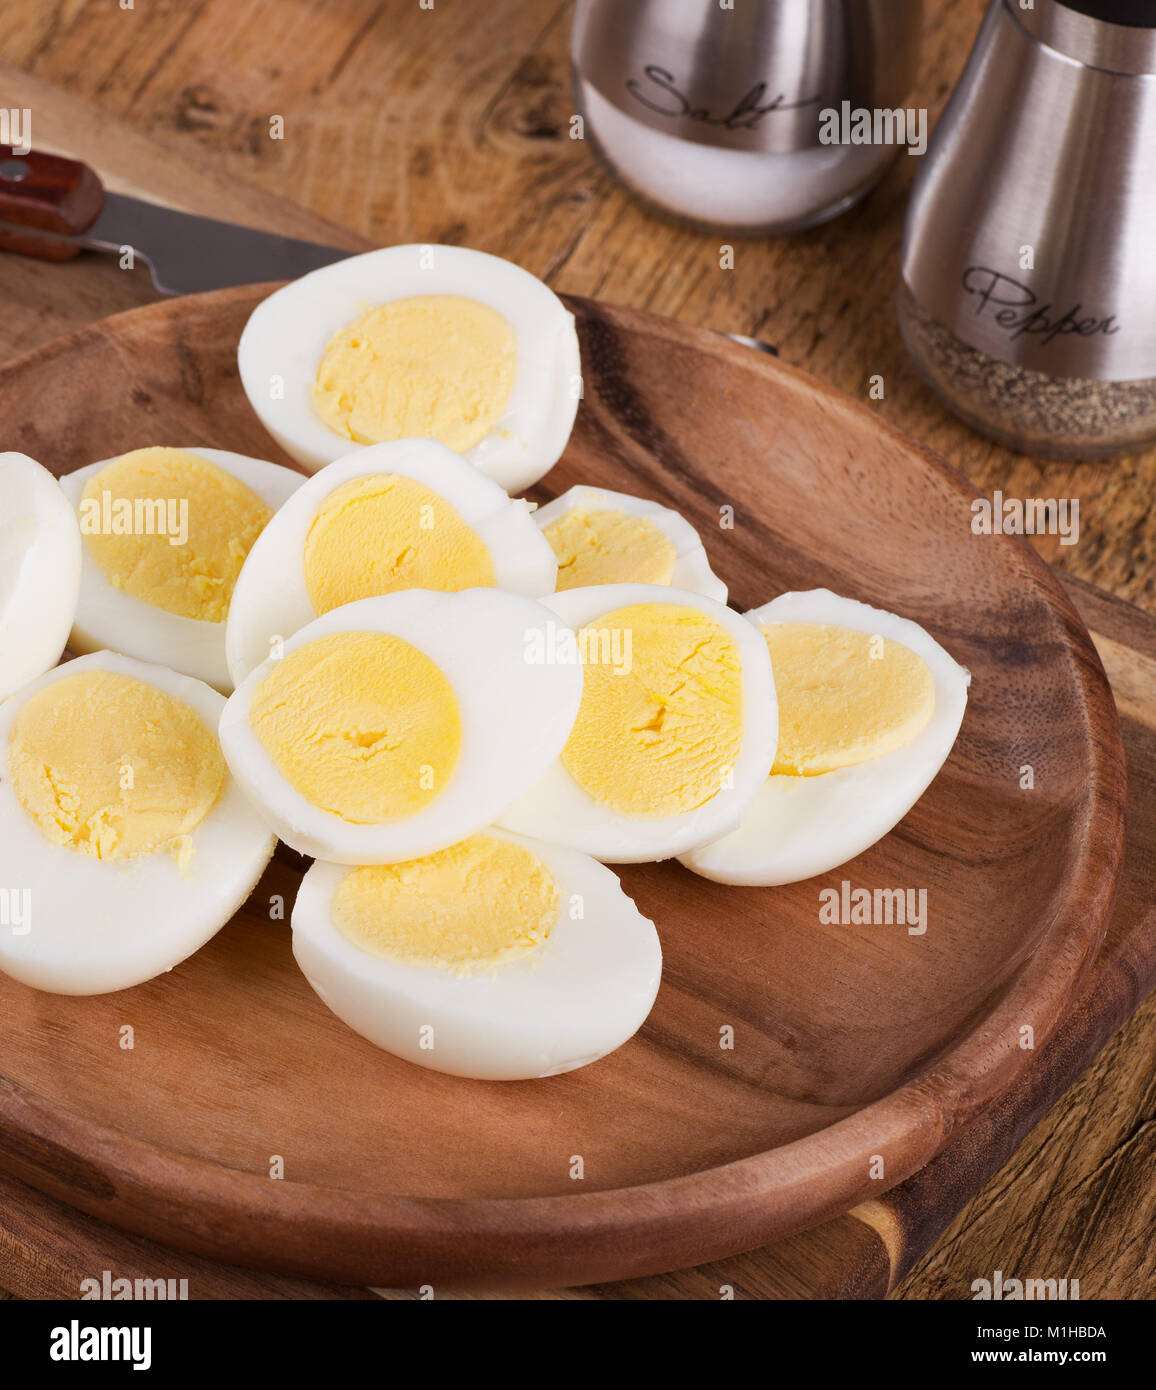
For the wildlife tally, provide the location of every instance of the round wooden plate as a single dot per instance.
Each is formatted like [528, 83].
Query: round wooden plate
[858, 1051]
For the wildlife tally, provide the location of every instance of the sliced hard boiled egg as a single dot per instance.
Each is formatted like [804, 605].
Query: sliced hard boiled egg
[124, 843]
[39, 570]
[500, 957]
[603, 537]
[869, 708]
[410, 515]
[430, 342]
[392, 727]
[165, 533]
[675, 733]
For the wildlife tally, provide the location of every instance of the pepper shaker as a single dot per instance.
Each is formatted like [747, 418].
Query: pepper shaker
[1028, 295]
[720, 114]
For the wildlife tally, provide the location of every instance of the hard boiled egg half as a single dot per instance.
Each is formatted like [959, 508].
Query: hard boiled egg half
[603, 537]
[393, 727]
[124, 843]
[676, 730]
[39, 570]
[166, 532]
[869, 708]
[499, 957]
[417, 342]
[410, 515]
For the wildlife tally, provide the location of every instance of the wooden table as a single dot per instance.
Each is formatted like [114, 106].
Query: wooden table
[451, 124]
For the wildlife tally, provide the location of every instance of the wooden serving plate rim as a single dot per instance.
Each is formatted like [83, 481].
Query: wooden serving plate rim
[341, 1233]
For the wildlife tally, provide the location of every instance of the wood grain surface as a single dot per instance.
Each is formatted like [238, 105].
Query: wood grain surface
[404, 132]
[47, 1248]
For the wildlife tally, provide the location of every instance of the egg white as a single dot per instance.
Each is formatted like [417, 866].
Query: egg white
[104, 925]
[108, 617]
[581, 994]
[271, 599]
[558, 809]
[692, 570]
[287, 335]
[39, 570]
[515, 718]
[798, 827]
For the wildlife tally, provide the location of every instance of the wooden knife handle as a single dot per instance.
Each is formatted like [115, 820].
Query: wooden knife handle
[47, 191]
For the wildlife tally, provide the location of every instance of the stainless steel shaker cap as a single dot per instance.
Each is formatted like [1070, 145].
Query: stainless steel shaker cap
[1140, 14]
[1029, 232]
[1110, 35]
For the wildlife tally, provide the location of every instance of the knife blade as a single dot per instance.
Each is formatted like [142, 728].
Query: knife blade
[52, 207]
[756, 343]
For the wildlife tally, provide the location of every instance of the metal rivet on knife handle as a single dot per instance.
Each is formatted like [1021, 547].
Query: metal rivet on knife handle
[52, 194]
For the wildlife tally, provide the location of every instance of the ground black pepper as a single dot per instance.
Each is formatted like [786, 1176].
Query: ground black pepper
[1026, 410]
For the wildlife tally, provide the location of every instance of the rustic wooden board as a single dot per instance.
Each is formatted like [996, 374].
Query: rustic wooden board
[405, 149]
[851, 1044]
[46, 1248]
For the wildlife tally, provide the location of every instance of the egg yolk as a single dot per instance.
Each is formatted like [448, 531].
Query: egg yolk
[361, 724]
[659, 728]
[609, 547]
[431, 367]
[171, 529]
[114, 768]
[383, 532]
[477, 905]
[844, 696]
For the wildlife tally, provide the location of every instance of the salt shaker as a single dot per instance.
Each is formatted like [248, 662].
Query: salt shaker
[749, 115]
[1028, 295]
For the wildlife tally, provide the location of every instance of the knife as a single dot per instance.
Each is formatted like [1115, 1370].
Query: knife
[52, 208]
